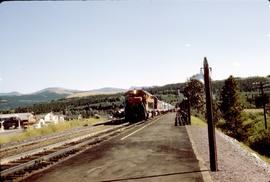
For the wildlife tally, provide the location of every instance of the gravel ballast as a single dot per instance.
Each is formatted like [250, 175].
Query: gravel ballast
[234, 162]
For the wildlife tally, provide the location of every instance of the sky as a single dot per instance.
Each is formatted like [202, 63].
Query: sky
[85, 45]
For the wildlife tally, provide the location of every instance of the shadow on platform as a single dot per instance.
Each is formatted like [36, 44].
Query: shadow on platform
[153, 176]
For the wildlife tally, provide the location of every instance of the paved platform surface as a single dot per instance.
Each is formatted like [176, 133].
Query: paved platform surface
[152, 151]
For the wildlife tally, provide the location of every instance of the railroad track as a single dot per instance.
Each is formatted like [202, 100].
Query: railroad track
[24, 164]
[8, 153]
[8, 150]
[19, 166]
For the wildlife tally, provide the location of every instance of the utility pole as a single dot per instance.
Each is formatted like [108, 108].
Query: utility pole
[188, 110]
[211, 125]
[264, 109]
[260, 85]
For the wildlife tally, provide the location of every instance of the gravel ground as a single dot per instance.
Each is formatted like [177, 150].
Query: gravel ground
[234, 162]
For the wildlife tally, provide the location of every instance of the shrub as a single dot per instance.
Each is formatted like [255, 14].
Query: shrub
[261, 142]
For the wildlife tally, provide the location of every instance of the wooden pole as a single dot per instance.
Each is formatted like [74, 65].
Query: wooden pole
[211, 125]
[264, 109]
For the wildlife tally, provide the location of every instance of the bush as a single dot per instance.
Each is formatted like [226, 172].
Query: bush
[261, 143]
[221, 124]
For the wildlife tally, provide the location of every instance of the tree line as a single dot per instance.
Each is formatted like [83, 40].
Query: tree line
[168, 93]
[86, 106]
[230, 114]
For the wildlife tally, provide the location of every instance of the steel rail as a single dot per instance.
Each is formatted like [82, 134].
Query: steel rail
[48, 147]
[100, 136]
[55, 136]
[37, 161]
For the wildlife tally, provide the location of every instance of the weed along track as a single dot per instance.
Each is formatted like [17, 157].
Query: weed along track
[26, 163]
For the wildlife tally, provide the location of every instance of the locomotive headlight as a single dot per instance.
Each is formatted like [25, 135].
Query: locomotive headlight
[134, 91]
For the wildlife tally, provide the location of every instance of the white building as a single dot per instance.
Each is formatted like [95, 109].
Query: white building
[49, 118]
[39, 124]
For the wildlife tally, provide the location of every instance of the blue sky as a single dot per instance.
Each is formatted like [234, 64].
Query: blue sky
[92, 44]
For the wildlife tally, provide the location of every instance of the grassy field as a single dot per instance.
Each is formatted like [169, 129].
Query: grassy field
[253, 110]
[197, 121]
[49, 129]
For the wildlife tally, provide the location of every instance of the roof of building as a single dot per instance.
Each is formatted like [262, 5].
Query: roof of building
[22, 116]
[40, 116]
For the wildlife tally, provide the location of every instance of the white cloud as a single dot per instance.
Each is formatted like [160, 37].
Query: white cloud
[268, 35]
[236, 64]
[187, 45]
[1, 79]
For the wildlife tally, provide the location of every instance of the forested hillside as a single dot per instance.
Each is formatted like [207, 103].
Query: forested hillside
[168, 93]
[15, 99]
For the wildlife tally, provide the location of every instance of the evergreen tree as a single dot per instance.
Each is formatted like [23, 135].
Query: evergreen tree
[231, 108]
[195, 91]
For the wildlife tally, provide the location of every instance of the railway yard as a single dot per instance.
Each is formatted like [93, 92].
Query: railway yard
[134, 91]
[145, 151]
[141, 152]
[18, 159]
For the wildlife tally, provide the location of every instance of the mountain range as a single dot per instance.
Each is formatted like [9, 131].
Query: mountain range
[10, 94]
[16, 99]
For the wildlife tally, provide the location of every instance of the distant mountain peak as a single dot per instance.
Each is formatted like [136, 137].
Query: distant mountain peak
[107, 89]
[10, 94]
[57, 90]
[100, 91]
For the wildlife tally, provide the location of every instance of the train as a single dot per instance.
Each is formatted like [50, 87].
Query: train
[140, 105]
